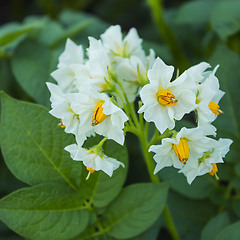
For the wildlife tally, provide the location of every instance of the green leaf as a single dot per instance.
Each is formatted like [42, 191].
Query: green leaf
[196, 12]
[199, 189]
[152, 232]
[231, 232]
[12, 31]
[189, 215]
[76, 29]
[47, 211]
[214, 226]
[135, 210]
[225, 19]
[33, 144]
[101, 188]
[50, 33]
[32, 64]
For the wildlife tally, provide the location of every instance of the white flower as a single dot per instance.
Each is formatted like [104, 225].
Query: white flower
[134, 70]
[165, 101]
[93, 160]
[98, 67]
[207, 100]
[187, 145]
[73, 54]
[98, 113]
[71, 59]
[116, 46]
[62, 108]
[196, 72]
[214, 153]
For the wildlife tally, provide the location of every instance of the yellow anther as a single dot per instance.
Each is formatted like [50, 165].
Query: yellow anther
[166, 98]
[90, 170]
[214, 169]
[214, 107]
[182, 150]
[61, 124]
[98, 115]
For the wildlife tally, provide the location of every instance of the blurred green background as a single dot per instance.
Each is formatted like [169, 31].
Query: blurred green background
[182, 33]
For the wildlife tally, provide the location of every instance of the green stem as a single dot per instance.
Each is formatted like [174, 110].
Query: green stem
[156, 137]
[102, 142]
[129, 105]
[141, 131]
[154, 178]
[148, 157]
[170, 224]
[167, 34]
[125, 107]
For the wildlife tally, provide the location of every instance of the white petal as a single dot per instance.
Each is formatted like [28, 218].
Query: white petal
[112, 38]
[160, 73]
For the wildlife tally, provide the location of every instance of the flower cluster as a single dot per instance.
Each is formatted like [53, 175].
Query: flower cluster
[95, 95]
[166, 101]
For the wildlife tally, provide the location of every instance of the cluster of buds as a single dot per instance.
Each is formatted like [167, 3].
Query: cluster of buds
[91, 94]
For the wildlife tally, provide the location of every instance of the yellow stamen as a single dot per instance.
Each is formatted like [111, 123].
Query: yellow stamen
[166, 97]
[214, 169]
[61, 124]
[90, 171]
[182, 150]
[214, 107]
[98, 115]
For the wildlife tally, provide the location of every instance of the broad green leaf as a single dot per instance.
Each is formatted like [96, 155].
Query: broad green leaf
[33, 145]
[12, 31]
[225, 18]
[50, 33]
[215, 226]
[76, 29]
[196, 12]
[47, 211]
[199, 189]
[152, 232]
[135, 210]
[94, 233]
[32, 64]
[54, 33]
[189, 215]
[232, 232]
[101, 188]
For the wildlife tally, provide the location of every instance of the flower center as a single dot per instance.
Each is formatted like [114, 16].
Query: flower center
[61, 124]
[98, 115]
[182, 150]
[214, 169]
[90, 170]
[214, 107]
[166, 97]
